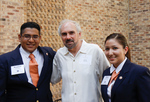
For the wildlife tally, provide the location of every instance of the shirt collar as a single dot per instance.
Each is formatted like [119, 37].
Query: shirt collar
[35, 53]
[112, 68]
[82, 49]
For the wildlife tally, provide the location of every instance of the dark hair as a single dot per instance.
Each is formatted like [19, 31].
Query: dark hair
[29, 25]
[122, 40]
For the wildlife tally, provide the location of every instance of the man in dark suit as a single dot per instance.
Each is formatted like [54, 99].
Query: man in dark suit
[16, 84]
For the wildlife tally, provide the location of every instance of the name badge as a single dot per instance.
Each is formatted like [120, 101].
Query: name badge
[18, 69]
[105, 80]
[85, 59]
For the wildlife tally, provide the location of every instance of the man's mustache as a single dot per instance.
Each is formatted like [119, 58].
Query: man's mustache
[69, 40]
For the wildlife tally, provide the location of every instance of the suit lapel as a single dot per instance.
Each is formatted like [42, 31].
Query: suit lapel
[121, 77]
[45, 65]
[17, 60]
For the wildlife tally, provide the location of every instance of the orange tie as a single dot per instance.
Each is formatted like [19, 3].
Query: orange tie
[113, 77]
[33, 66]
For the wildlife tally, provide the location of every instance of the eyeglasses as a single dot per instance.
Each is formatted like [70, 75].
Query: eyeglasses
[27, 37]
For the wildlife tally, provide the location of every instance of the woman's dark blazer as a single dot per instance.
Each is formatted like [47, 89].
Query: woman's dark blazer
[132, 84]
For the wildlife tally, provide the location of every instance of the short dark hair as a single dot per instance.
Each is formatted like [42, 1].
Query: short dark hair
[30, 25]
[122, 40]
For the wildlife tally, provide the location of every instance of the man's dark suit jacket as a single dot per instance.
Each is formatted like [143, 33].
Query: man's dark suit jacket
[132, 84]
[15, 88]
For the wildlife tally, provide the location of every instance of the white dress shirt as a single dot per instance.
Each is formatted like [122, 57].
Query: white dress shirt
[25, 58]
[118, 69]
[80, 74]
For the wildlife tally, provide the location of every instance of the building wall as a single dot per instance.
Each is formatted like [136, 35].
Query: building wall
[139, 31]
[11, 17]
[48, 13]
[99, 18]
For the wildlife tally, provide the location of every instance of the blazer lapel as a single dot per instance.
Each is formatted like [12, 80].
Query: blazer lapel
[121, 77]
[45, 65]
[17, 60]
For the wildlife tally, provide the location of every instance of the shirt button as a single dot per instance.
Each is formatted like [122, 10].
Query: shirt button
[75, 93]
[73, 60]
[37, 100]
[74, 71]
[74, 82]
[37, 89]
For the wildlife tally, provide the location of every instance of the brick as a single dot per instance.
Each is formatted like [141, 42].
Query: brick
[1, 26]
[16, 10]
[2, 19]
[10, 13]
[10, 7]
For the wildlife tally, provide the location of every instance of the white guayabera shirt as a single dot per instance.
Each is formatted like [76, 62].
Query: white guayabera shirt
[80, 74]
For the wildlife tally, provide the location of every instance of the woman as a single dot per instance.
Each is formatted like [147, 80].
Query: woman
[131, 82]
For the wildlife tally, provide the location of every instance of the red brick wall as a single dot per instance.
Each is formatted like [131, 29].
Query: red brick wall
[11, 17]
[99, 18]
[139, 31]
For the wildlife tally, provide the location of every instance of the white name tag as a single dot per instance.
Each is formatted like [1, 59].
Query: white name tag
[105, 80]
[85, 59]
[18, 69]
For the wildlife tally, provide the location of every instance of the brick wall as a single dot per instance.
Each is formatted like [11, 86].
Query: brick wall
[139, 31]
[48, 13]
[99, 18]
[11, 17]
